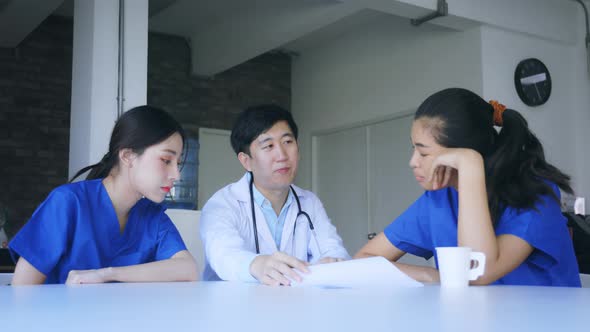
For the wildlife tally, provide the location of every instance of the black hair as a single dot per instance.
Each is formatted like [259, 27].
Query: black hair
[256, 120]
[137, 129]
[515, 165]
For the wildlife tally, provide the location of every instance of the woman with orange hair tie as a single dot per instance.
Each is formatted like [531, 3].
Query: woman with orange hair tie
[487, 189]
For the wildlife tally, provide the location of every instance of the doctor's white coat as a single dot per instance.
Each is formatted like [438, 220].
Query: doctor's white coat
[227, 232]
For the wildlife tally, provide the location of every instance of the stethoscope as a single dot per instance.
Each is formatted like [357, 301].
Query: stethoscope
[299, 213]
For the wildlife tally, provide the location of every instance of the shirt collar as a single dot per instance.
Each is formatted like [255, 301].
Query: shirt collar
[262, 201]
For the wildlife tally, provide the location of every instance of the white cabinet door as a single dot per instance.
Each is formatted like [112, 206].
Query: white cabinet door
[340, 181]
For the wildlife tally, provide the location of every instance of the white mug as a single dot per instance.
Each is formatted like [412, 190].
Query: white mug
[455, 266]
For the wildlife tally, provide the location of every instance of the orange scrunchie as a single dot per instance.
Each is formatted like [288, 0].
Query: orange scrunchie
[498, 111]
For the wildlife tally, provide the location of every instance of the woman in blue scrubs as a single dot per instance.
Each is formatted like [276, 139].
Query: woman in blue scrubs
[491, 191]
[111, 227]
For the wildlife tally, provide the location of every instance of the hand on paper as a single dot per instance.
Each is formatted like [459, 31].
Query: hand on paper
[276, 269]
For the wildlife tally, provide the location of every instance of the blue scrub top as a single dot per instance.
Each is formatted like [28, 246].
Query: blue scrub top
[431, 222]
[76, 228]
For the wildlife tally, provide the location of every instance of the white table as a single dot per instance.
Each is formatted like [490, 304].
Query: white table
[225, 306]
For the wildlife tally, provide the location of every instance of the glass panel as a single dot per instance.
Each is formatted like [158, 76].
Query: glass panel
[184, 193]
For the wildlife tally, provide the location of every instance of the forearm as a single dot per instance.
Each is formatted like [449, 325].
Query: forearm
[475, 228]
[419, 273]
[362, 254]
[227, 250]
[232, 265]
[173, 269]
[381, 246]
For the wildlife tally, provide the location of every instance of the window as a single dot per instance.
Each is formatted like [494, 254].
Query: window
[184, 193]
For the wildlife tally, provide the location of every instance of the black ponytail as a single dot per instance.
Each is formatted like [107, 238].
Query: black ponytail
[517, 173]
[137, 129]
[99, 170]
[517, 165]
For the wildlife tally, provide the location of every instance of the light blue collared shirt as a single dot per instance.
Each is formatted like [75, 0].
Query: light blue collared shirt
[275, 223]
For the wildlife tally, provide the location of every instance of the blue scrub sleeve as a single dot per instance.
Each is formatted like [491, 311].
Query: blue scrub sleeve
[169, 239]
[544, 229]
[44, 238]
[410, 231]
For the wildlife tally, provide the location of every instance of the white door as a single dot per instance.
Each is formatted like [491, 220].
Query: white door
[218, 164]
[392, 185]
[362, 176]
[340, 181]
[390, 177]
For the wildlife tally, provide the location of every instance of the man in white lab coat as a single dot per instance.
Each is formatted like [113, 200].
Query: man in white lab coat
[262, 227]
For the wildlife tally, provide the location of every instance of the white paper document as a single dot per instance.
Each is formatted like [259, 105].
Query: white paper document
[357, 273]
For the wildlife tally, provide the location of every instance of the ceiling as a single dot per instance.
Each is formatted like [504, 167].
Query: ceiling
[224, 33]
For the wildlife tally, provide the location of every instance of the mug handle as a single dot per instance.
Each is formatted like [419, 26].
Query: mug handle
[480, 257]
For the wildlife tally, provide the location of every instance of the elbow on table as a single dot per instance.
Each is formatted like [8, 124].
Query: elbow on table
[492, 273]
[186, 269]
[192, 277]
[193, 274]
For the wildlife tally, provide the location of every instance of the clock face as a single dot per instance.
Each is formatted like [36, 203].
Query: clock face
[532, 82]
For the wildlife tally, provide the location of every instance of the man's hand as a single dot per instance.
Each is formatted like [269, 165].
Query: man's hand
[277, 269]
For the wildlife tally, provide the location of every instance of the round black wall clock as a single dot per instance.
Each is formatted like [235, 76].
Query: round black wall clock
[532, 82]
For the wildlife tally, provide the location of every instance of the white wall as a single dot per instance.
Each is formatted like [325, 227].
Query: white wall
[382, 68]
[545, 18]
[562, 123]
[581, 107]
[552, 122]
